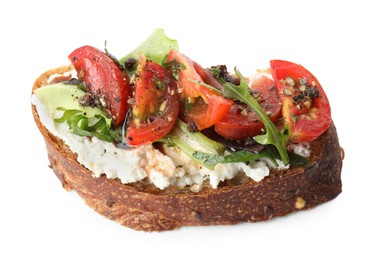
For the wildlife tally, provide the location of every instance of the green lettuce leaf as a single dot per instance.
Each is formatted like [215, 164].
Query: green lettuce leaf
[155, 48]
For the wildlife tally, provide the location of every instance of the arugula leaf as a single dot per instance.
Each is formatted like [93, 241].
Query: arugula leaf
[272, 136]
[297, 160]
[82, 125]
[269, 152]
[240, 156]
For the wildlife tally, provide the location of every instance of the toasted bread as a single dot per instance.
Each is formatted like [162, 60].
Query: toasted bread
[142, 206]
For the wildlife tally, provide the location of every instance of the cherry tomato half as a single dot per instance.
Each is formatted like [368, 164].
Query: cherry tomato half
[202, 105]
[156, 105]
[241, 122]
[104, 79]
[304, 103]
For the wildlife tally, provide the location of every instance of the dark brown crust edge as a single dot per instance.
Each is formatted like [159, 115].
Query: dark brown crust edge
[149, 209]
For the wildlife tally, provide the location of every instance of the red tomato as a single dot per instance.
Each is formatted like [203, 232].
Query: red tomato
[241, 122]
[304, 103]
[104, 79]
[206, 107]
[156, 104]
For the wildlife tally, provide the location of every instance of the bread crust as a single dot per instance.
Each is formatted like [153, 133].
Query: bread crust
[141, 206]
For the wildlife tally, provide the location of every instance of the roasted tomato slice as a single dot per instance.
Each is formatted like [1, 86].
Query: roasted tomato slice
[103, 78]
[201, 105]
[304, 103]
[156, 105]
[241, 122]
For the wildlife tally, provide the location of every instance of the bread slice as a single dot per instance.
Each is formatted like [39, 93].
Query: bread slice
[142, 206]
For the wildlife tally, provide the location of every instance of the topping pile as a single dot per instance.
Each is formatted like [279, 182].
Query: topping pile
[156, 94]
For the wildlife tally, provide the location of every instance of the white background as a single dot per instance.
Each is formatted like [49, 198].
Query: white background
[340, 42]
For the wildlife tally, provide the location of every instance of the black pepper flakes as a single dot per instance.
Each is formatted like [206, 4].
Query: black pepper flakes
[306, 93]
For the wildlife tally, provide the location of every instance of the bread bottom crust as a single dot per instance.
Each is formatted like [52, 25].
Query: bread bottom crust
[141, 206]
